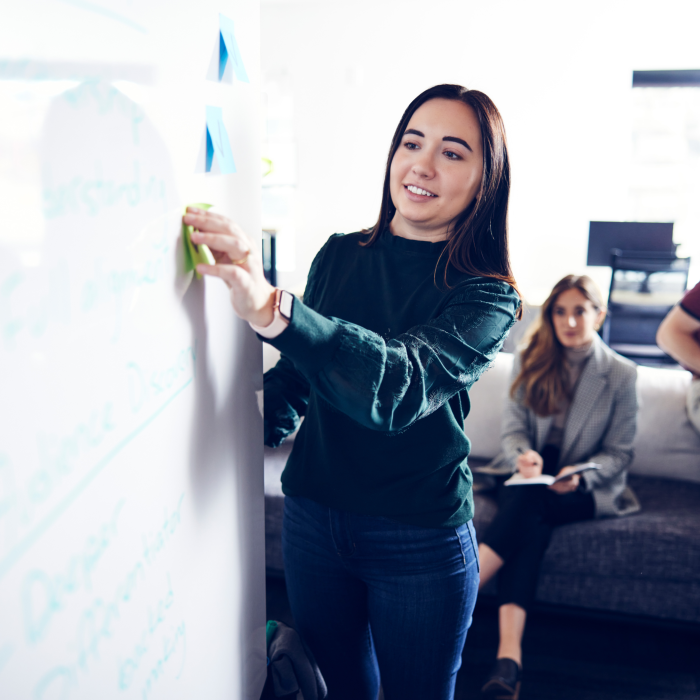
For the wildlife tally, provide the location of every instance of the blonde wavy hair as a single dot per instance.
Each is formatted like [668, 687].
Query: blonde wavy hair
[542, 376]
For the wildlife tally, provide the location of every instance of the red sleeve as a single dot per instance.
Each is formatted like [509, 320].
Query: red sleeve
[691, 301]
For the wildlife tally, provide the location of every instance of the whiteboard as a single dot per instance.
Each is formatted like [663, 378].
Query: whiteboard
[131, 482]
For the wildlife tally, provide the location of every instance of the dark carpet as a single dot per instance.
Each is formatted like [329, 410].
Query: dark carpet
[569, 656]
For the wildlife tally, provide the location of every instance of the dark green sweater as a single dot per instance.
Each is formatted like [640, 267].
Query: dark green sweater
[379, 358]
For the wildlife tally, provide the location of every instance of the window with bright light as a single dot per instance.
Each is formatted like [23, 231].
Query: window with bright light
[665, 183]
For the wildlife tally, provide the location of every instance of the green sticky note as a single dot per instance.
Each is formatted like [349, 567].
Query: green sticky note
[195, 254]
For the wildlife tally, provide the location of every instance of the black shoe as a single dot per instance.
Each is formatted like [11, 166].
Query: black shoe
[503, 682]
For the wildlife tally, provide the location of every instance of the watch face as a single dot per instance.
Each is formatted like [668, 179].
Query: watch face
[286, 301]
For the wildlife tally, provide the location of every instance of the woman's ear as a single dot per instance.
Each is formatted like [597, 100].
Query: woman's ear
[599, 319]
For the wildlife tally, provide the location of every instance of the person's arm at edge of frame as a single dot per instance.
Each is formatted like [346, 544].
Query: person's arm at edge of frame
[676, 337]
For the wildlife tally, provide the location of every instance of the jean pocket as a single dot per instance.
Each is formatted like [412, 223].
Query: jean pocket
[467, 541]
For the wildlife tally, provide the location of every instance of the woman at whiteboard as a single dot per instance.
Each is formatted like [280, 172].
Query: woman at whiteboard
[397, 323]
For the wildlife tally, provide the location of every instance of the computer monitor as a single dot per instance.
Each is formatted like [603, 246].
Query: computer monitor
[603, 236]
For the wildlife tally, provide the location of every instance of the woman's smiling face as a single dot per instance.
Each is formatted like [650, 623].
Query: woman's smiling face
[437, 169]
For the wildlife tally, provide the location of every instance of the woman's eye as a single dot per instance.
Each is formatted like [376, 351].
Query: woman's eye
[411, 146]
[452, 155]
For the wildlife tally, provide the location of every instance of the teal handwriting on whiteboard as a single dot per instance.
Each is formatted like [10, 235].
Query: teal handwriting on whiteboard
[7, 496]
[100, 601]
[60, 455]
[218, 145]
[154, 542]
[5, 654]
[163, 378]
[228, 49]
[156, 617]
[58, 499]
[102, 617]
[91, 194]
[44, 594]
[176, 641]
[22, 312]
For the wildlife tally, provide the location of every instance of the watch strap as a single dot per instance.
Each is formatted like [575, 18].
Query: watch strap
[281, 315]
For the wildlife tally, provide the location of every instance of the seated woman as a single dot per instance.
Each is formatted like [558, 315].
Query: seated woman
[573, 400]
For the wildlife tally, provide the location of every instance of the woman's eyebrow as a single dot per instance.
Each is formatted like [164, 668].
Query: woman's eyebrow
[458, 140]
[445, 138]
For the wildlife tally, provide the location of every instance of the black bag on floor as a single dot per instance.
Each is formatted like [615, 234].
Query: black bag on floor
[291, 667]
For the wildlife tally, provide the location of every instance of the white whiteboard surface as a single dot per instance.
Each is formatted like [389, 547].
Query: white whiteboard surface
[131, 484]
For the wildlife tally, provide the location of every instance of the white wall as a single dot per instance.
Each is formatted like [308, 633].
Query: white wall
[559, 72]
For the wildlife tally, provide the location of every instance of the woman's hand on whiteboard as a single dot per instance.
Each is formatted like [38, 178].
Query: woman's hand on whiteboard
[238, 264]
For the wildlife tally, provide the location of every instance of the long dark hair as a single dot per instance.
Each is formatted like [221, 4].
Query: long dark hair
[542, 373]
[477, 242]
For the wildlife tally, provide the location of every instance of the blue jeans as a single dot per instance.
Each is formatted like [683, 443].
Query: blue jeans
[372, 596]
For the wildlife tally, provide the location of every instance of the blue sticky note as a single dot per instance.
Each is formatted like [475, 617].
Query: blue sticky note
[228, 49]
[218, 144]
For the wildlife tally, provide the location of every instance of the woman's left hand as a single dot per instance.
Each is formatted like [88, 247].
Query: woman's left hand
[566, 485]
[238, 264]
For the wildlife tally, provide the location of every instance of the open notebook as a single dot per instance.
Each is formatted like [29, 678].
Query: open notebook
[548, 479]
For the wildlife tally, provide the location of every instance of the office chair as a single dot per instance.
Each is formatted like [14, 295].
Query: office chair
[644, 287]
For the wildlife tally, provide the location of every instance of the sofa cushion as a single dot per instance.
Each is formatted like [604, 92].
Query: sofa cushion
[666, 445]
[487, 398]
[275, 461]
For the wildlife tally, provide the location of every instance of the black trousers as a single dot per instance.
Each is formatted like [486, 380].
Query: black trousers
[522, 528]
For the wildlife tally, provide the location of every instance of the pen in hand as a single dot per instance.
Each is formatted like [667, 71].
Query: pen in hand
[523, 452]
[529, 462]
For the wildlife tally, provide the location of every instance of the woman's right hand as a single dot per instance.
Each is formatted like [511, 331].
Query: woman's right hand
[238, 264]
[529, 464]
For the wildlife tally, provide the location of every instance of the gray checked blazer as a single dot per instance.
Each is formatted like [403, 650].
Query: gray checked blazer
[600, 427]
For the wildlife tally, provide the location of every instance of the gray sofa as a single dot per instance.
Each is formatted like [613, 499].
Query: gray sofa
[646, 565]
